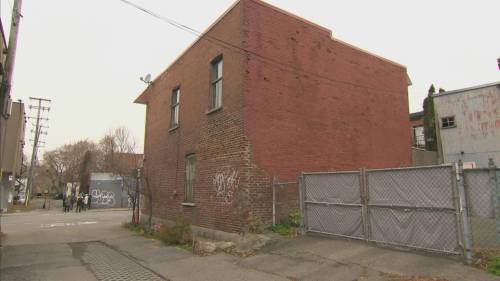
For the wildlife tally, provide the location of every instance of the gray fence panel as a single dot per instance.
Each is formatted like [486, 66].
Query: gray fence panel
[336, 220]
[480, 194]
[480, 190]
[414, 207]
[426, 187]
[333, 188]
[417, 228]
[333, 204]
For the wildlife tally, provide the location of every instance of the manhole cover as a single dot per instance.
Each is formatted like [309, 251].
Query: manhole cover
[108, 264]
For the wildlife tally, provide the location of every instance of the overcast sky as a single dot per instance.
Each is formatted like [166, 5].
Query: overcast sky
[87, 55]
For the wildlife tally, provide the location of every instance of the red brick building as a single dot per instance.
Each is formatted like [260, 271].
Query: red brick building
[264, 93]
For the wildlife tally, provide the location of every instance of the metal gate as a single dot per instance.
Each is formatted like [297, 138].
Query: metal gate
[412, 207]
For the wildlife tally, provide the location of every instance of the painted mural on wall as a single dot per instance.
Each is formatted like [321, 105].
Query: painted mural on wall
[109, 191]
[226, 183]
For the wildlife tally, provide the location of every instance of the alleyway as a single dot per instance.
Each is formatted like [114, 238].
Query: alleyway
[52, 246]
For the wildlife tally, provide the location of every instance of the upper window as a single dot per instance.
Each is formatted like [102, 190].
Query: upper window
[174, 108]
[190, 177]
[418, 137]
[216, 84]
[448, 122]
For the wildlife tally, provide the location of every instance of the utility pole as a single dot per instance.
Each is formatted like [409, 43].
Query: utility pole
[40, 108]
[6, 82]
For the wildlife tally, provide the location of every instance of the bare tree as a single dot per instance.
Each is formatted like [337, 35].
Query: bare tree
[64, 164]
[118, 148]
[85, 169]
[146, 192]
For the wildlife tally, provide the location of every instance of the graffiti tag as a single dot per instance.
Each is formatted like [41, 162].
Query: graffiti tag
[102, 197]
[225, 183]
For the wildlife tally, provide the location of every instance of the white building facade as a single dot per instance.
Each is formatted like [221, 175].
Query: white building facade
[468, 125]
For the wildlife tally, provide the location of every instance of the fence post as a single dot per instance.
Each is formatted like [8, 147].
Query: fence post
[274, 201]
[302, 205]
[364, 203]
[467, 235]
[492, 169]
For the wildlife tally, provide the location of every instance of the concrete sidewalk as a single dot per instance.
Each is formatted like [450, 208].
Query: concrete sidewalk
[312, 258]
[305, 258]
[179, 265]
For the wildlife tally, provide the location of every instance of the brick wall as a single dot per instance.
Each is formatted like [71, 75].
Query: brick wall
[217, 139]
[325, 105]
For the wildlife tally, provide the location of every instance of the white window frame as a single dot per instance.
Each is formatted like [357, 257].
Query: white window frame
[175, 107]
[448, 122]
[190, 178]
[216, 72]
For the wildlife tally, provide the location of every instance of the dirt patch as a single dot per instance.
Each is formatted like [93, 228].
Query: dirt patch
[484, 256]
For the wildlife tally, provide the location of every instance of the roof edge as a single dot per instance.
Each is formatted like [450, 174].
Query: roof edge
[290, 14]
[369, 53]
[467, 89]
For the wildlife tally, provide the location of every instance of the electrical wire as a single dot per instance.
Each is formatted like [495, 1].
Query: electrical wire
[283, 66]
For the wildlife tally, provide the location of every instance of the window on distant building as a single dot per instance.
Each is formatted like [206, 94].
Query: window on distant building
[174, 108]
[216, 83]
[190, 176]
[448, 122]
[418, 137]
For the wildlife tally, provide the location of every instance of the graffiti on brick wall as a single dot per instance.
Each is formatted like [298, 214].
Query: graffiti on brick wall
[102, 197]
[226, 183]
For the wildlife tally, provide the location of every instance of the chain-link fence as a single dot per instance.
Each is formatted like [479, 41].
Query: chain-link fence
[482, 189]
[413, 207]
[440, 208]
[333, 204]
[285, 199]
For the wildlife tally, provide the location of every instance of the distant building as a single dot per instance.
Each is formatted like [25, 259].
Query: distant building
[468, 125]
[110, 191]
[417, 129]
[12, 151]
[419, 155]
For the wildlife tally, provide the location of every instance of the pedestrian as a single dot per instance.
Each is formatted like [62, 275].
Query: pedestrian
[65, 203]
[72, 202]
[79, 203]
[85, 201]
[90, 201]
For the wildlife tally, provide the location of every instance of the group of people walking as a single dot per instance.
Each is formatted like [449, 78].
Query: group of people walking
[82, 200]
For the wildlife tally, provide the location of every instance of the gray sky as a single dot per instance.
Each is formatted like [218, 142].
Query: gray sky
[87, 55]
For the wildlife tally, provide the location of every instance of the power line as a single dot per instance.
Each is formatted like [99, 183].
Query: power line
[286, 67]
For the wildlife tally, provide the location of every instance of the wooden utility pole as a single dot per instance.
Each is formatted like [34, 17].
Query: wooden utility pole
[6, 84]
[36, 142]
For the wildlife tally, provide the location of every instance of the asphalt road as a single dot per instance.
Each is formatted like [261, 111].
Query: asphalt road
[51, 245]
[54, 226]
